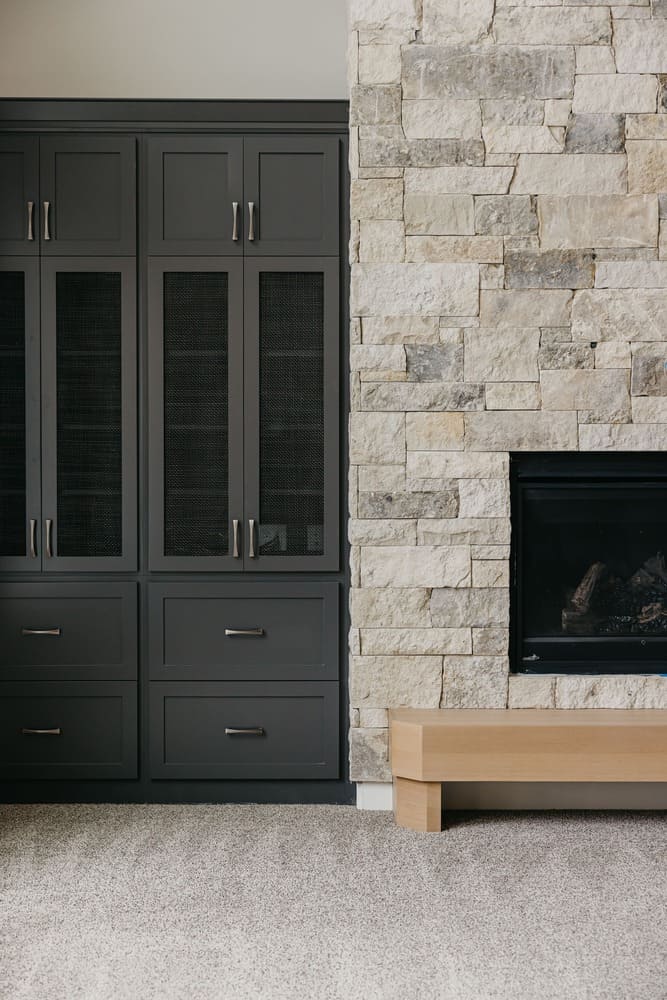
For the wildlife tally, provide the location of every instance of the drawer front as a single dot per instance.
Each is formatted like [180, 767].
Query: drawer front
[287, 730]
[68, 729]
[68, 631]
[244, 632]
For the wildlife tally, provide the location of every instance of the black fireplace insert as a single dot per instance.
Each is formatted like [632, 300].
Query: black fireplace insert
[589, 563]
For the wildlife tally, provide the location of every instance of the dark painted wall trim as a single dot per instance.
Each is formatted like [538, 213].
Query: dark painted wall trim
[44, 114]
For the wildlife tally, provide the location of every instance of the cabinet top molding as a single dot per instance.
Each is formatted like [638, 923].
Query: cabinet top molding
[40, 114]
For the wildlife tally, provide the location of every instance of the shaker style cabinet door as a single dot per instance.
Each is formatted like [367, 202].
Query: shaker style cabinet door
[20, 542]
[291, 414]
[196, 413]
[19, 194]
[87, 195]
[291, 195]
[195, 194]
[89, 427]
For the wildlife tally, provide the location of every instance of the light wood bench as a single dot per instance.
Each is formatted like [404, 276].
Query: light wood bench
[431, 746]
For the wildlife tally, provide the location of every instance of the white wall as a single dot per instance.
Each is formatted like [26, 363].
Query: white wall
[222, 49]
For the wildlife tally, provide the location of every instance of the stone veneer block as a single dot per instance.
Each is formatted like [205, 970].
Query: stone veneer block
[434, 431]
[456, 21]
[386, 145]
[464, 608]
[458, 180]
[641, 46]
[548, 269]
[646, 127]
[517, 111]
[576, 174]
[620, 314]
[649, 410]
[631, 274]
[416, 641]
[520, 139]
[439, 214]
[434, 363]
[526, 691]
[379, 64]
[381, 241]
[377, 105]
[600, 395]
[389, 607]
[525, 307]
[382, 15]
[443, 119]
[474, 682]
[369, 755]
[396, 681]
[423, 566]
[595, 134]
[437, 504]
[432, 289]
[380, 198]
[513, 396]
[377, 438]
[464, 531]
[500, 215]
[595, 59]
[484, 498]
[400, 329]
[597, 221]
[436, 72]
[399, 396]
[553, 26]
[615, 93]
[521, 431]
[496, 354]
[481, 249]
[382, 532]
[647, 166]
[622, 437]
[649, 371]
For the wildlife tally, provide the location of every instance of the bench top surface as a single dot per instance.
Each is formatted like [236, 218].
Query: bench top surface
[485, 718]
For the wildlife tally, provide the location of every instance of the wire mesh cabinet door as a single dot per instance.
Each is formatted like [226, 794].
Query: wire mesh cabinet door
[89, 427]
[196, 413]
[20, 502]
[291, 414]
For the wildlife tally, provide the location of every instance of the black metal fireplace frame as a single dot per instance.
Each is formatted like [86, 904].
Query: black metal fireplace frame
[641, 654]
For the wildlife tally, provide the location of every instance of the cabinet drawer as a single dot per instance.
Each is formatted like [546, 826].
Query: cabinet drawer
[68, 729]
[293, 730]
[68, 631]
[244, 631]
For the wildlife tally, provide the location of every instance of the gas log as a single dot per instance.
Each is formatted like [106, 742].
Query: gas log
[604, 604]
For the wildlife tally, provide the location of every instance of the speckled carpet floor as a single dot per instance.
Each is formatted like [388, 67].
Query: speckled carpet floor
[325, 902]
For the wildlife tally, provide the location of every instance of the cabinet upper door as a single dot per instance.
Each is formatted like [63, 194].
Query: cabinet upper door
[292, 194]
[88, 194]
[195, 331]
[195, 194]
[19, 193]
[20, 544]
[291, 414]
[89, 432]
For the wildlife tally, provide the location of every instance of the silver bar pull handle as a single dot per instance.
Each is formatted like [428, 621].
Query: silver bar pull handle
[42, 732]
[251, 538]
[47, 232]
[49, 538]
[31, 214]
[247, 731]
[235, 229]
[41, 631]
[33, 538]
[251, 224]
[236, 551]
[244, 631]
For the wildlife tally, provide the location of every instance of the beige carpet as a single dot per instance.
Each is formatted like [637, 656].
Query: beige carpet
[324, 902]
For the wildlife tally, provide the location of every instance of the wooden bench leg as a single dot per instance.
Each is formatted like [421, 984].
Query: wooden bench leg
[418, 804]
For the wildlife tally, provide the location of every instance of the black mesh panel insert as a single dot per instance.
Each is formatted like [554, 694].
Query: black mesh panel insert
[89, 433]
[291, 353]
[12, 414]
[195, 414]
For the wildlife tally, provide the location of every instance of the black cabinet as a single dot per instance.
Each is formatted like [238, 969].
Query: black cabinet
[19, 194]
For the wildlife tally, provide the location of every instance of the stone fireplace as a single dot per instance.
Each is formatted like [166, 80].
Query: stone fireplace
[508, 296]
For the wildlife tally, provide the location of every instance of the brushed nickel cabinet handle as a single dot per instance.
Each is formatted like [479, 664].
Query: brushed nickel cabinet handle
[251, 538]
[49, 539]
[41, 631]
[251, 225]
[47, 232]
[236, 552]
[42, 732]
[244, 631]
[248, 731]
[31, 213]
[235, 230]
[33, 538]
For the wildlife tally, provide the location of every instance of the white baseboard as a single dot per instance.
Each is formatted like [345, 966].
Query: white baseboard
[374, 795]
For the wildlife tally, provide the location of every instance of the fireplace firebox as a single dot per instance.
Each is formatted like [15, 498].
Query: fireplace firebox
[589, 563]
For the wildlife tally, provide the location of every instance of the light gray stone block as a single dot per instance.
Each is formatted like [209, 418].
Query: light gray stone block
[513, 395]
[381, 241]
[496, 354]
[520, 139]
[553, 26]
[431, 289]
[379, 15]
[475, 682]
[622, 437]
[631, 274]
[598, 221]
[458, 180]
[484, 498]
[497, 215]
[521, 111]
[377, 199]
[620, 314]
[386, 145]
[649, 370]
[388, 532]
[521, 431]
[562, 356]
[549, 269]
[421, 566]
[447, 465]
[615, 93]
[440, 214]
[395, 681]
[379, 64]
[416, 641]
[467, 608]
[490, 641]
[598, 692]
[400, 329]
[369, 755]
[595, 133]
[456, 21]
[511, 71]
[377, 438]
[434, 363]
[388, 607]
[434, 431]
[641, 46]
[443, 119]
[375, 105]
[464, 531]
[527, 691]
[477, 249]
[601, 396]
[391, 396]
[525, 307]
[558, 174]
[438, 504]
[650, 410]
[647, 166]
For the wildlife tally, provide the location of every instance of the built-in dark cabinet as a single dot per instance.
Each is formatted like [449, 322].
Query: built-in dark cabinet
[20, 408]
[19, 194]
[67, 195]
